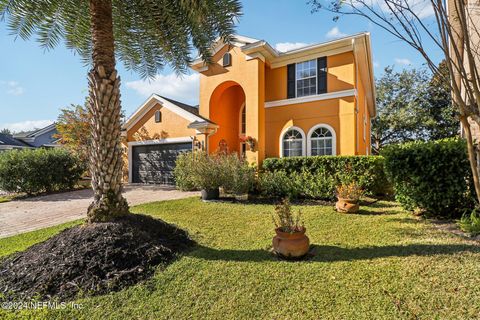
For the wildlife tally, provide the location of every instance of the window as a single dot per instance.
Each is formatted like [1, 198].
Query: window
[292, 143]
[158, 116]
[306, 78]
[227, 60]
[243, 121]
[321, 141]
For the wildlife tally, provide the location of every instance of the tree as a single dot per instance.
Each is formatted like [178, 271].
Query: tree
[444, 118]
[145, 35]
[6, 131]
[454, 31]
[412, 105]
[401, 113]
[73, 126]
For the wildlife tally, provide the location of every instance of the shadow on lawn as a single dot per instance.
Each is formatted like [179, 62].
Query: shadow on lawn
[325, 253]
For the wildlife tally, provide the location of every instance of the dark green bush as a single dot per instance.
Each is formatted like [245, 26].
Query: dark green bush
[316, 177]
[433, 177]
[39, 170]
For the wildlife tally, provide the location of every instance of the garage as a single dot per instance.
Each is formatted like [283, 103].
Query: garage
[154, 163]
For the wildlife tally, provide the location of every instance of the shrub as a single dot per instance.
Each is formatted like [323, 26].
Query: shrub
[470, 223]
[317, 177]
[238, 175]
[277, 184]
[39, 170]
[349, 191]
[433, 177]
[285, 220]
[183, 172]
[201, 171]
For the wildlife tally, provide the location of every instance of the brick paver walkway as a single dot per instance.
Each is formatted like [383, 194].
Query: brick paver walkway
[45, 211]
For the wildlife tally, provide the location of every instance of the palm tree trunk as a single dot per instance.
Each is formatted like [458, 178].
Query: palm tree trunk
[104, 106]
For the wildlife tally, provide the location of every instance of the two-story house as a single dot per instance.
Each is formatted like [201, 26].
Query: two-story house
[260, 103]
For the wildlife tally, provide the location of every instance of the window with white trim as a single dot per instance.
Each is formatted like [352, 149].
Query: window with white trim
[306, 78]
[292, 143]
[321, 142]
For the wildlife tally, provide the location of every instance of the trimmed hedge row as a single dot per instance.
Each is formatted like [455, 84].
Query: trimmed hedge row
[318, 176]
[39, 170]
[434, 177]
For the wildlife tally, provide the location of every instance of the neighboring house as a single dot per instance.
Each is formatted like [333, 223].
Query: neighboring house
[315, 100]
[44, 137]
[8, 142]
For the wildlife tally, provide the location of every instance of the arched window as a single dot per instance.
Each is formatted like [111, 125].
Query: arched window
[227, 59]
[158, 116]
[292, 143]
[321, 141]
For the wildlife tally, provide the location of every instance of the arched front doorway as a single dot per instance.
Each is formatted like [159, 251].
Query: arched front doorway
[227, 109]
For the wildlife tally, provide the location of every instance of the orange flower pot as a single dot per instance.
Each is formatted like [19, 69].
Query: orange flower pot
[347, 205]
[291, 245]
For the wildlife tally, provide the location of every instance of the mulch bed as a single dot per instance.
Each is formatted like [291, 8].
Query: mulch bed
[91, 259]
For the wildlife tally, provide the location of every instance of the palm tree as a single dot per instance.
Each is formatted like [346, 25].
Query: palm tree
[145, 35]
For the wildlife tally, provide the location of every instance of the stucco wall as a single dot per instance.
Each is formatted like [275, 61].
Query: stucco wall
[172, 126]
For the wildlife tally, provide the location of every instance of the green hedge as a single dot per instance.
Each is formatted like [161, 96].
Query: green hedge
[39, 170]
[434, 177]
[317, 177]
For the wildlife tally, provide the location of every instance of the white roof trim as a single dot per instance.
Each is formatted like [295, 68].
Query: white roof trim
[150, 103]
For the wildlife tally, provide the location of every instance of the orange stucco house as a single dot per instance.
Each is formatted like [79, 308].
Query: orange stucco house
[260, 103]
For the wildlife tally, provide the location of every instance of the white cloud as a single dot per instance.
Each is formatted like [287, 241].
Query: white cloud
[376, 64]
[184, 89]
[13, 87]
[403, 61]
[288, 46]
[335, 33]
[27, 125]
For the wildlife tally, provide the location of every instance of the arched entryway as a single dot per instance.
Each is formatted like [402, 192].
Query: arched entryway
[228, 110]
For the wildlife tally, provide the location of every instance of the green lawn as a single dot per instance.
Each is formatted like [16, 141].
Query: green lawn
[381, 264]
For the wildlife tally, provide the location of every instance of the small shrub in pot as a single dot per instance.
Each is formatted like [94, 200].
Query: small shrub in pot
[348, 196]
[290, 240]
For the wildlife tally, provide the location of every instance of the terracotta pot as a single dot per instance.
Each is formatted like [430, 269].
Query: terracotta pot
[210, 194]
[347, 205]
[291, 245]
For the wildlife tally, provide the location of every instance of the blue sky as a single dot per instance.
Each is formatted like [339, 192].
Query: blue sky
[35, 84]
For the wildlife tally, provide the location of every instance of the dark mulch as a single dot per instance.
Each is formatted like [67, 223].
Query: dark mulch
[91, 259]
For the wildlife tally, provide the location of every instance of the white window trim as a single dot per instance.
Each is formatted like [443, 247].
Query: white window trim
[318, 97]
[131, 144]
[334, 138]
[285, 131]
[316, 78]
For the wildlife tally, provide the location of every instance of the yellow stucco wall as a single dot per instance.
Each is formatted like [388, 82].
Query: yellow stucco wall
[249, 76]
[172, 126]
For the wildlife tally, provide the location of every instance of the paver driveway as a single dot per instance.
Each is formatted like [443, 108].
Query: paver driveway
[39, 212]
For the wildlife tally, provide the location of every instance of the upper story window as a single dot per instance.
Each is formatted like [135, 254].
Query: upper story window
[227, 60]
[306, 78]
[158, 116]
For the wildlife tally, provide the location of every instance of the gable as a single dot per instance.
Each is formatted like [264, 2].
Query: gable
[155, 100]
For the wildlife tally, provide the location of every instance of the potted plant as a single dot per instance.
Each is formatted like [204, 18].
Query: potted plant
[348, 196]
[290, 240]
[206, 175]
[250, 141]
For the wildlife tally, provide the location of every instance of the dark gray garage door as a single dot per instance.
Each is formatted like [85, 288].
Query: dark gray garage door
[155, 163]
